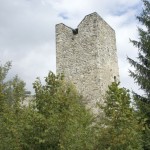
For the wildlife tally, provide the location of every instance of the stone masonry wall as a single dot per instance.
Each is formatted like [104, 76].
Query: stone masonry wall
[87, 57]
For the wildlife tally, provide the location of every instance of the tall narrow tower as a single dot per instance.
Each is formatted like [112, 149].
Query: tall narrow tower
[87, 56]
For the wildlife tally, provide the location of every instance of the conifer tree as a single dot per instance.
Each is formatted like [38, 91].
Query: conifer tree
[141, 75]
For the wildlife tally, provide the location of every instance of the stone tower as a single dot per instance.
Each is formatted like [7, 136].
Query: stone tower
[88, 56]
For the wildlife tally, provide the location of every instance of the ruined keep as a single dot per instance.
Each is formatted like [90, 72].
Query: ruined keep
[88, 56]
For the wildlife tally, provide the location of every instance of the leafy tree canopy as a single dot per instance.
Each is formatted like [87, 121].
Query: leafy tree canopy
[118, 126]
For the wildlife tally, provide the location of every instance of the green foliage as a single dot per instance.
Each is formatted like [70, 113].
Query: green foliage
[63, 121]
[3, 72]
[119, 127]
[142, 70]
[11, 95]
[56, 119]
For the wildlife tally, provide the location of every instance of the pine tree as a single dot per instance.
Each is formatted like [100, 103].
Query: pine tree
[142, 69]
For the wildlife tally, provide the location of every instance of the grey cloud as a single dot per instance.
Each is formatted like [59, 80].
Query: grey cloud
[25, 26]
[27, 38]
[27, 32]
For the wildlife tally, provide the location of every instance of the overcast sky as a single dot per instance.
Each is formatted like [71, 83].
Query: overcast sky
[27, 32]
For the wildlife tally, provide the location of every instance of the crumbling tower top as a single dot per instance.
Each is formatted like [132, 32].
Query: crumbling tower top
[87, 56]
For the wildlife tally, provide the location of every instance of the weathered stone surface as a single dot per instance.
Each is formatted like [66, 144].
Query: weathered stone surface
[87, 56]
